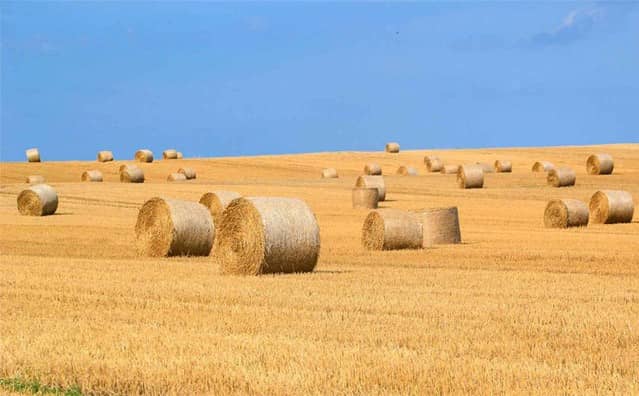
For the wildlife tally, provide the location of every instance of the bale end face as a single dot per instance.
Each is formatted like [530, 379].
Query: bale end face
[563, 213]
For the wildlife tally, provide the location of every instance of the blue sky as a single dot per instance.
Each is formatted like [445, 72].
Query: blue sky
[218, 79]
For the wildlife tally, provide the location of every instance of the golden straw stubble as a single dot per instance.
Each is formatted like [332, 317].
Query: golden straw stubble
[38, 200]
[263, 235]
[611, 206]
[563, 213]
[169, 227]
[600, 164]
[392, 229]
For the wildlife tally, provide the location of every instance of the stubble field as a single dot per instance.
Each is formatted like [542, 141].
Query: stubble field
[515, 308]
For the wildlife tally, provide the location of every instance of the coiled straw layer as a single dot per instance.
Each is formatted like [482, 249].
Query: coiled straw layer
[600, 164]
[372, 169]
[470, 176]
[168, 227]
[144, 155]
[267, 235]
[38, 200]
[611, 206]
[375, 182]
[440, 226]
[391, 229]
[563, 213]
[92, 176]
[366, 198]
[433, 164]
[561, 177]
[217, 201]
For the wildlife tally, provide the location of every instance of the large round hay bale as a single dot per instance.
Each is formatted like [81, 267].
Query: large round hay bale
[486, 167]
[33, 155]
[168, 227]
[542, 166]
[35, 179]
[105, 156]
[372, 169]
[375, 182]
[392, 229]
[365, 197]
[38, 200]
[433, 163]
[470, 176]
[563, 213]
[217, 201]
[144, 155]
[392, 147]
[267, 235]
[502, 166]
[561, 177]
[449, 169]
[406, 171]
[188, 172]
[169, 154]
[600, 164]
[131, 174]
[611, 206]
[179, 155]
[92, 176]
[176, 177]
[329, 173]
[440, 226]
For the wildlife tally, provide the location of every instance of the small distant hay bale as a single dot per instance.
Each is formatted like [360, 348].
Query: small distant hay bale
[35, 179]
[144, 155]
[176, 177]
[33, 155]
[179, 155]
[561, 177]
[392, 229]
[92, 176]
[449, 169]
[38, 200]
[542, 166]
[217, 201]
[611, 206]
[375, 182]
[168, 227]
[564, 213]
[392, 147]
[406, 171]
[105, 156]
[329, 173]
[600, 164]
[440, 226]
[433, 163]
[502, 166]
[267, 235]
[131, 174]
[487, 168]
[470, 176]
[372, 169]
[169, 154]
[188, 172]
[365, 197]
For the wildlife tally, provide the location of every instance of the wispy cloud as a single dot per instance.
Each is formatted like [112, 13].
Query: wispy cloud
[575, 26]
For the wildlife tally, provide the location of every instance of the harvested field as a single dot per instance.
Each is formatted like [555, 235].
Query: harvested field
[515, 308]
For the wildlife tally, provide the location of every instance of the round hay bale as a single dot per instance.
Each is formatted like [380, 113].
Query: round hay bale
[35, 179]
[392, 229]
[188, 172]
[365, 197]
[372, 169]
[92, 176]
[176, 177]
[131, 174]
[392, 147]
[329, 173]
[38, 200]
[433, 164]
[561, 177]
[406, 171]
[374, 182]
[105, 156]
[217, 201]
[470, 176]
[167, 227]
[487, 168]
[169, 154]
[449, 169]
[33, 155]
[179, 155]
[600, 164]
[563, 213]
[542, 166]
[267, 235]
[611, 206]
[144, 155]
[440, 226]
[502, 166]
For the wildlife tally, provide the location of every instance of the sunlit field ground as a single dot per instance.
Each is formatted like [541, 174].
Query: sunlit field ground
[515, 308]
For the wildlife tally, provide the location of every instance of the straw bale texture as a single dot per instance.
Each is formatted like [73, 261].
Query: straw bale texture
[144, 155]
[372, 169]
[450, 169]
[373, 181]
[92, 176]
[169, 154]
[392, 147]
[105, 156]
[179, 155]
[486, 167]
[611, 206]
[217, 201]
[176, 177]
[38, 200]
[502, 166]
[329, 173]
[561, 177]
[563, 213]
[131, 174]
[433, 163]
[406, 171]
[365, 197]
[470, 176]
[267, 235]
[33, 155]
[392, 229]
[600, 164]
[440, 226]
[188, 172]
[542, 166]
